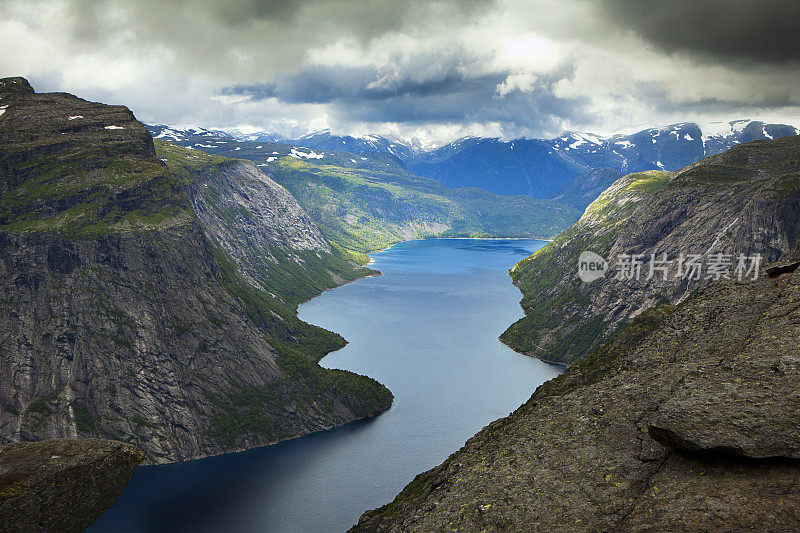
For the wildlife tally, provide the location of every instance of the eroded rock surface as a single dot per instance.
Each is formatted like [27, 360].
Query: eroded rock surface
[273, 243]
[61, 485]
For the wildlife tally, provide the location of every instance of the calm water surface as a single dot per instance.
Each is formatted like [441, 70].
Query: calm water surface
[427, 329]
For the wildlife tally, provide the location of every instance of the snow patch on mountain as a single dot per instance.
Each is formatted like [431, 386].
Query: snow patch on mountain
[303, 155]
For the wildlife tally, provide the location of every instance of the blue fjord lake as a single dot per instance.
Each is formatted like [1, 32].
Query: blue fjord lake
[427, 329]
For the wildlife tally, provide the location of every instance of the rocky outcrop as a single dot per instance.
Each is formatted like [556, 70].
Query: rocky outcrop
[743, 202]
[121, 320]
[684, 421]
[782, 267]
[747, 406]
[61, 485]
[15, 85]
[274, 215]
[79, 167]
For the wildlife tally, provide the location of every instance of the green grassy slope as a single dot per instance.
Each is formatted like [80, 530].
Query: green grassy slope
[80, 191]
[552, 294]
[366, 209]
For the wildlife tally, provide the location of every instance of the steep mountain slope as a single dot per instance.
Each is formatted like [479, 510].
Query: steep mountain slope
[273, 243]
[367, 202]
[523, 166]
[544, 167]
[685, 421]
[366, 209]
[745, 201]
[119, 318]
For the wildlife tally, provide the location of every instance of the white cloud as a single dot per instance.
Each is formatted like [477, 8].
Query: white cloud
[524, 82]
[551, 65]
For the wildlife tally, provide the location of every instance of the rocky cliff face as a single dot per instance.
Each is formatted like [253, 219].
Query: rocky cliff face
[61, 485]
[273, 243]
[121, 320]
[745, 201]
[684, 421]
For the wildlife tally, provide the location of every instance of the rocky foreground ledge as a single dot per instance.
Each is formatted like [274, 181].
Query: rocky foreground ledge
[687, 420]
[61, 485]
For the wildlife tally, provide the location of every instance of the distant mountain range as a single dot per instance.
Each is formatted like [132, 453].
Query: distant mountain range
[367, 144]
[368, 202]
[320, 140]
[542, 168]
[547, 168]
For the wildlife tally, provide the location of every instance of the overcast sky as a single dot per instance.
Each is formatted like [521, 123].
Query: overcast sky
[433, 70]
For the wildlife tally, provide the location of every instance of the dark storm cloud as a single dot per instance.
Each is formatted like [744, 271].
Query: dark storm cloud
[422, 75]
[521, 113]
[427, 89]
[211, 35]
[734, 30]
[373, 18]
[395, 99]
[527, 67]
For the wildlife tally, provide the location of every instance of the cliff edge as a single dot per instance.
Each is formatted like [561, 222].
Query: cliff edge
[61, 485]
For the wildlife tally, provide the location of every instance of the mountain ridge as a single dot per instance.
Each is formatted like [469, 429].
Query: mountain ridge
[545, 168]
[367, 202]
[122, 319]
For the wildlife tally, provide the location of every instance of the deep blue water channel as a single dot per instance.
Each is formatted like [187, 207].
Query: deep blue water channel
[427, 329]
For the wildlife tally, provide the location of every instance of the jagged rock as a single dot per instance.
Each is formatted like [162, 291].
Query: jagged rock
[15, 85]
[783, 267]
[61, 485]
[272, 241]
[718, 369]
